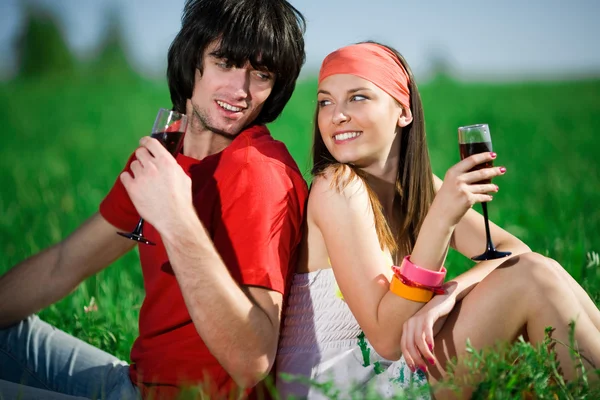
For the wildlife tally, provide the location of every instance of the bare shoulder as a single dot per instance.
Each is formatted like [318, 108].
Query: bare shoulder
[437, 183]
[340, 180]
[338, 190]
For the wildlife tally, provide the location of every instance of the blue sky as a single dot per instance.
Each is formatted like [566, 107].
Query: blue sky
[480, 39]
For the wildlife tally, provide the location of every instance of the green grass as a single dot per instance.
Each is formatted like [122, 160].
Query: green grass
[65, 141]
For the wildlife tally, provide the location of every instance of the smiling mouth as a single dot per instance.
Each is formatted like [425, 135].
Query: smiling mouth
[346, 136]
[229, 107]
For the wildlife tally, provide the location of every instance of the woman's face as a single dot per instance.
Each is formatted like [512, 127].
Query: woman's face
[358, 120]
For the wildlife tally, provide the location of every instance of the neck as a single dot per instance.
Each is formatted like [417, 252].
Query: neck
[382, 175]
[202, 144]
[382, 179]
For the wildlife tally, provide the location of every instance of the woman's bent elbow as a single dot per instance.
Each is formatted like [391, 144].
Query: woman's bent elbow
[387, 347]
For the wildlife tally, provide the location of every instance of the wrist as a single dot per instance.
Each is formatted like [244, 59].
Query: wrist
[452, 289]
[441, 215]
[184, 223]
[421, 276]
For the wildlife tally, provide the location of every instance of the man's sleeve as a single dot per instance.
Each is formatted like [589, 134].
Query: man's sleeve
[258, 229]
[117, 207]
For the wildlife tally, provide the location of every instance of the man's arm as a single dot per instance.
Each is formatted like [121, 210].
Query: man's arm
[50, 275]
[240, 325]
[257, 221]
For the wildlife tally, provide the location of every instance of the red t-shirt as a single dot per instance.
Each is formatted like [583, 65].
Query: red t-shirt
[250, 197]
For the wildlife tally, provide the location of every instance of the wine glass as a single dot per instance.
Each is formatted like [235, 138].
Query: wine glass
[169, 128]
[474, 139]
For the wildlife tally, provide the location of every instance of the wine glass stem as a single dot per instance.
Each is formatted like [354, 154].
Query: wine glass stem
[140, 225]
[488, 236]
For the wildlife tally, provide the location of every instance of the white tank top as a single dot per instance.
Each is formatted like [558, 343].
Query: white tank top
[322, 341]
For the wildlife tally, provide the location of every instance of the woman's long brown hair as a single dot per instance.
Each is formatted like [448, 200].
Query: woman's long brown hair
[414, 183]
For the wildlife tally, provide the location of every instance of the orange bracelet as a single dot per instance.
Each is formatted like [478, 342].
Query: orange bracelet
[410, 293]
[408, 282]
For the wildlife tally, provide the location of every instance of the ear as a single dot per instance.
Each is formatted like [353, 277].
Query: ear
[405, 118]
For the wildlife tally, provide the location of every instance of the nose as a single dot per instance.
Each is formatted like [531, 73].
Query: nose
[239, 82]
[340, 116]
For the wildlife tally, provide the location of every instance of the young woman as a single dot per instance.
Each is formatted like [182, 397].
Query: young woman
[374, 203]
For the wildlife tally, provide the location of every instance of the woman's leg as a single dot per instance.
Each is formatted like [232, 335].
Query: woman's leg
[523, 296]
[584, 298]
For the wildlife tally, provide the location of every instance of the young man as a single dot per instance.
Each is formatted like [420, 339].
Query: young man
[226, 215]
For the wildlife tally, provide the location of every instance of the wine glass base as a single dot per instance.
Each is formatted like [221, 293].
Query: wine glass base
[491, 255]
[137, 238]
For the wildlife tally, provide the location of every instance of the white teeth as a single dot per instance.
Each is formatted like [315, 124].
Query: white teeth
[229, 107]
[346, 135]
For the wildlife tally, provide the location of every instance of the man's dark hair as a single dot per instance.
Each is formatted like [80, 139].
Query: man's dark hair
[266, 33]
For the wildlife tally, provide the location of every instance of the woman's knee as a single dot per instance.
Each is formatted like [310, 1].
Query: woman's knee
[557, 266]
[539, 272]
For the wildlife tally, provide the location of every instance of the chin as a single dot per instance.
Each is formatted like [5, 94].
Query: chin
[346, 158]
[227, 129]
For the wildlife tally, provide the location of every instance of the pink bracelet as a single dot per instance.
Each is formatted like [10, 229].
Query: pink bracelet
[420, 275]
[403, 279]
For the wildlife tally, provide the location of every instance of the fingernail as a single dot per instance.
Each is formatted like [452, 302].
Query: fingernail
[423, 368]
[497, 188]
[430, 346]
[502, 169]
[493, 155]
[412, 368]
[431, 361]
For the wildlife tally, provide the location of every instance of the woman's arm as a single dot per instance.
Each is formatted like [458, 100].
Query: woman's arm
[362, 269]
[469, 240]
[451, 205]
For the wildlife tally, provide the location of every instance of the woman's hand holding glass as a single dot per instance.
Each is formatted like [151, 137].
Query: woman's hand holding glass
[462, 188]
[476, 139]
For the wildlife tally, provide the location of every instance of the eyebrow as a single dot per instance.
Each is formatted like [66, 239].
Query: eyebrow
[358, 89]
[215, 54]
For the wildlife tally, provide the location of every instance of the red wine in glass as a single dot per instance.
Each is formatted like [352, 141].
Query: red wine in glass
[171, 140]
[475, 139]
[468, 149]
[169, 128]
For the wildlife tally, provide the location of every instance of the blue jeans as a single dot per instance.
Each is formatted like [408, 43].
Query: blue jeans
[39, 361]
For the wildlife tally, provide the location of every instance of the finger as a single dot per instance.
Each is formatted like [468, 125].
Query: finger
[483, 174]
[429, 338]
[418, 348]
[482, 198]
[126, 179]
[425, 339]
[486, 188]
[404, 348]
[470, 162]
[143, 155]
[136, 168]
[411, 347]
[154, 147]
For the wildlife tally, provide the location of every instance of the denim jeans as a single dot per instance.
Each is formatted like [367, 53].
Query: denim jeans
[39, 361]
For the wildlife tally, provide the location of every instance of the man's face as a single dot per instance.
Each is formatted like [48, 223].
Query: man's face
[225, 98]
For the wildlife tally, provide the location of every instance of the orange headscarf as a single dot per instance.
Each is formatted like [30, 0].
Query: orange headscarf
[372, 62]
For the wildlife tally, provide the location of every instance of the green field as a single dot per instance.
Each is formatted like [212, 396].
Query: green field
[66, 140]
